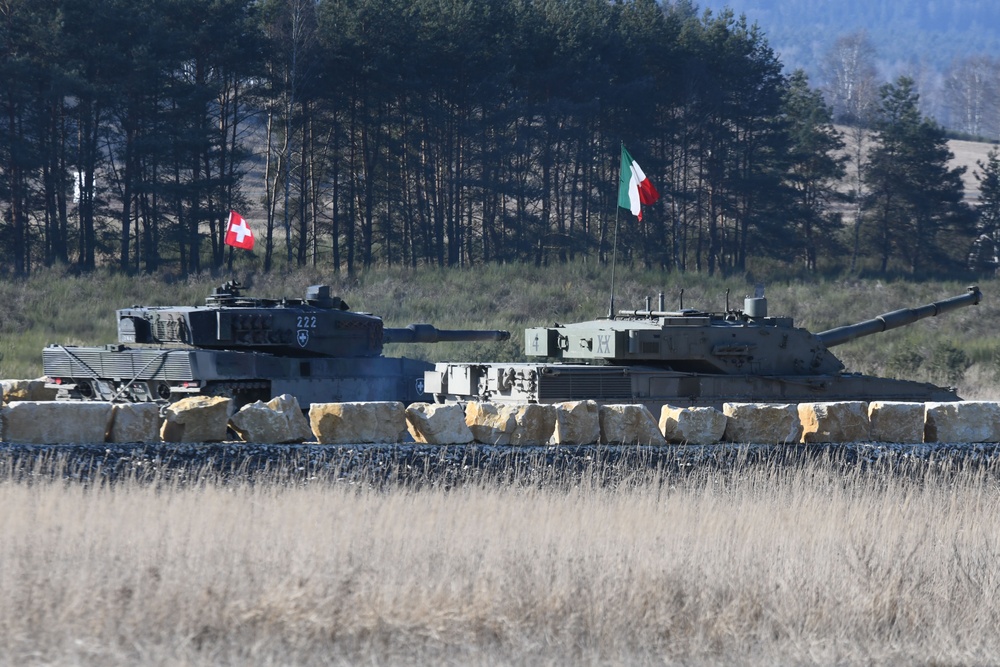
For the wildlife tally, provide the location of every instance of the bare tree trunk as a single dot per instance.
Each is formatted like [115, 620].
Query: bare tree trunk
[270, 190]
[860, 137]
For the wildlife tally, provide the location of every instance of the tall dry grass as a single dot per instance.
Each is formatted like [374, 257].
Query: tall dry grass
[807, 564]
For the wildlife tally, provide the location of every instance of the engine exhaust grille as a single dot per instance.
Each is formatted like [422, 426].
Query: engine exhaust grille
[581, 386]
[82, 362]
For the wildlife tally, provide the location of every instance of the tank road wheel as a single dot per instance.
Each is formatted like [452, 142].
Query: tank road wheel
[143, 392]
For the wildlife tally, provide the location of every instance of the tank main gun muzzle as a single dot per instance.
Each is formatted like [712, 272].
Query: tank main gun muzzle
[426, 333]
[898, 318]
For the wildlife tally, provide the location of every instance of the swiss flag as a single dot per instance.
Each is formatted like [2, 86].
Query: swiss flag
[238, 234]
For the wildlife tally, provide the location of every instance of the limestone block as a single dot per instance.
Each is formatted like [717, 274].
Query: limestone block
[629, 424]
[962, 421]
[26, 390]
[135, 422]
[534, 424]
[377, 422]
[15, 390]
[491, 423]
[197, 419]
[279, 420]
[762, 423]
[53, 423]
[438, 424]
[289, 406]
[835, 422]
[577, 423]
[696, 426]
[897, 421]
[256, 422]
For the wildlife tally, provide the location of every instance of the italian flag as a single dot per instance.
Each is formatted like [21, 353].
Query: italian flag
[634, 189]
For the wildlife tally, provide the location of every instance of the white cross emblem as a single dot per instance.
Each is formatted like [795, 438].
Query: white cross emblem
[241, 230]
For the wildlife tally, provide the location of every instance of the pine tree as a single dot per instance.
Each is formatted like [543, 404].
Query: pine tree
[915, 202]
[816, 166]
[984, 252]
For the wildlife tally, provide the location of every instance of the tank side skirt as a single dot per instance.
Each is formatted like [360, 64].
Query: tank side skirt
[133, 374]
[654, 387]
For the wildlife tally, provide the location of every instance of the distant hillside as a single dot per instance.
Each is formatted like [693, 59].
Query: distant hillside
[904, 31]
[967, 153]
[921, 38]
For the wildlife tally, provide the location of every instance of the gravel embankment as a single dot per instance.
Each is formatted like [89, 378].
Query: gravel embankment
[379, 465]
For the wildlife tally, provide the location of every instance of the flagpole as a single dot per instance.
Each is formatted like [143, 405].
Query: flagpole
[614, 242]
[614, 258]
[634, 190]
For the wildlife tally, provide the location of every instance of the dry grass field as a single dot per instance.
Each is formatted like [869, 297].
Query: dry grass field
[967, 154]
[964, 154]
[817, 563]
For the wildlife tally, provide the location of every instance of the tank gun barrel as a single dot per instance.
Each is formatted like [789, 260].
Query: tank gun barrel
[898, 318]
[426, 333]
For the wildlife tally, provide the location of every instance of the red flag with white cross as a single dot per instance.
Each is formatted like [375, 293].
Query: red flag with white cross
[238, 233]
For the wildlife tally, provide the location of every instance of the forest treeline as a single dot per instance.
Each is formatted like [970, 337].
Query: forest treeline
[951, 48]
[354, 133]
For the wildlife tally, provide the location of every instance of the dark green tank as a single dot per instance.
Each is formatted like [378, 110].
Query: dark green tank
[689, 357]
[315, 348]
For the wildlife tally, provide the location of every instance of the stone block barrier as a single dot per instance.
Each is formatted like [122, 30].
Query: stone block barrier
[438, 424]
[527, 424]
[135, 422]
[694, 426]
[762, 423]
[844, 421]
[375, 422]
[281, 420]
[534, 424]
[278, 421]
[491, 423]
[25, 390]
[197, 419]
[897, 421]
[48, 422]
[577, 423]
[962, 421]
[629, 425]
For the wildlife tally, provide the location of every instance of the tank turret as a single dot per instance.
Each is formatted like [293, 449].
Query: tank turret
[689, 357]
[734, 342]
[320, 325]
[314, 348]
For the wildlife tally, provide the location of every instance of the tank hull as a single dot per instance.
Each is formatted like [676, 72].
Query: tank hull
[656, 387]
[165, 374]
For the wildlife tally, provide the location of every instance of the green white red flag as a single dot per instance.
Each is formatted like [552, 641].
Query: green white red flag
[238, 233]
[634, 189]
